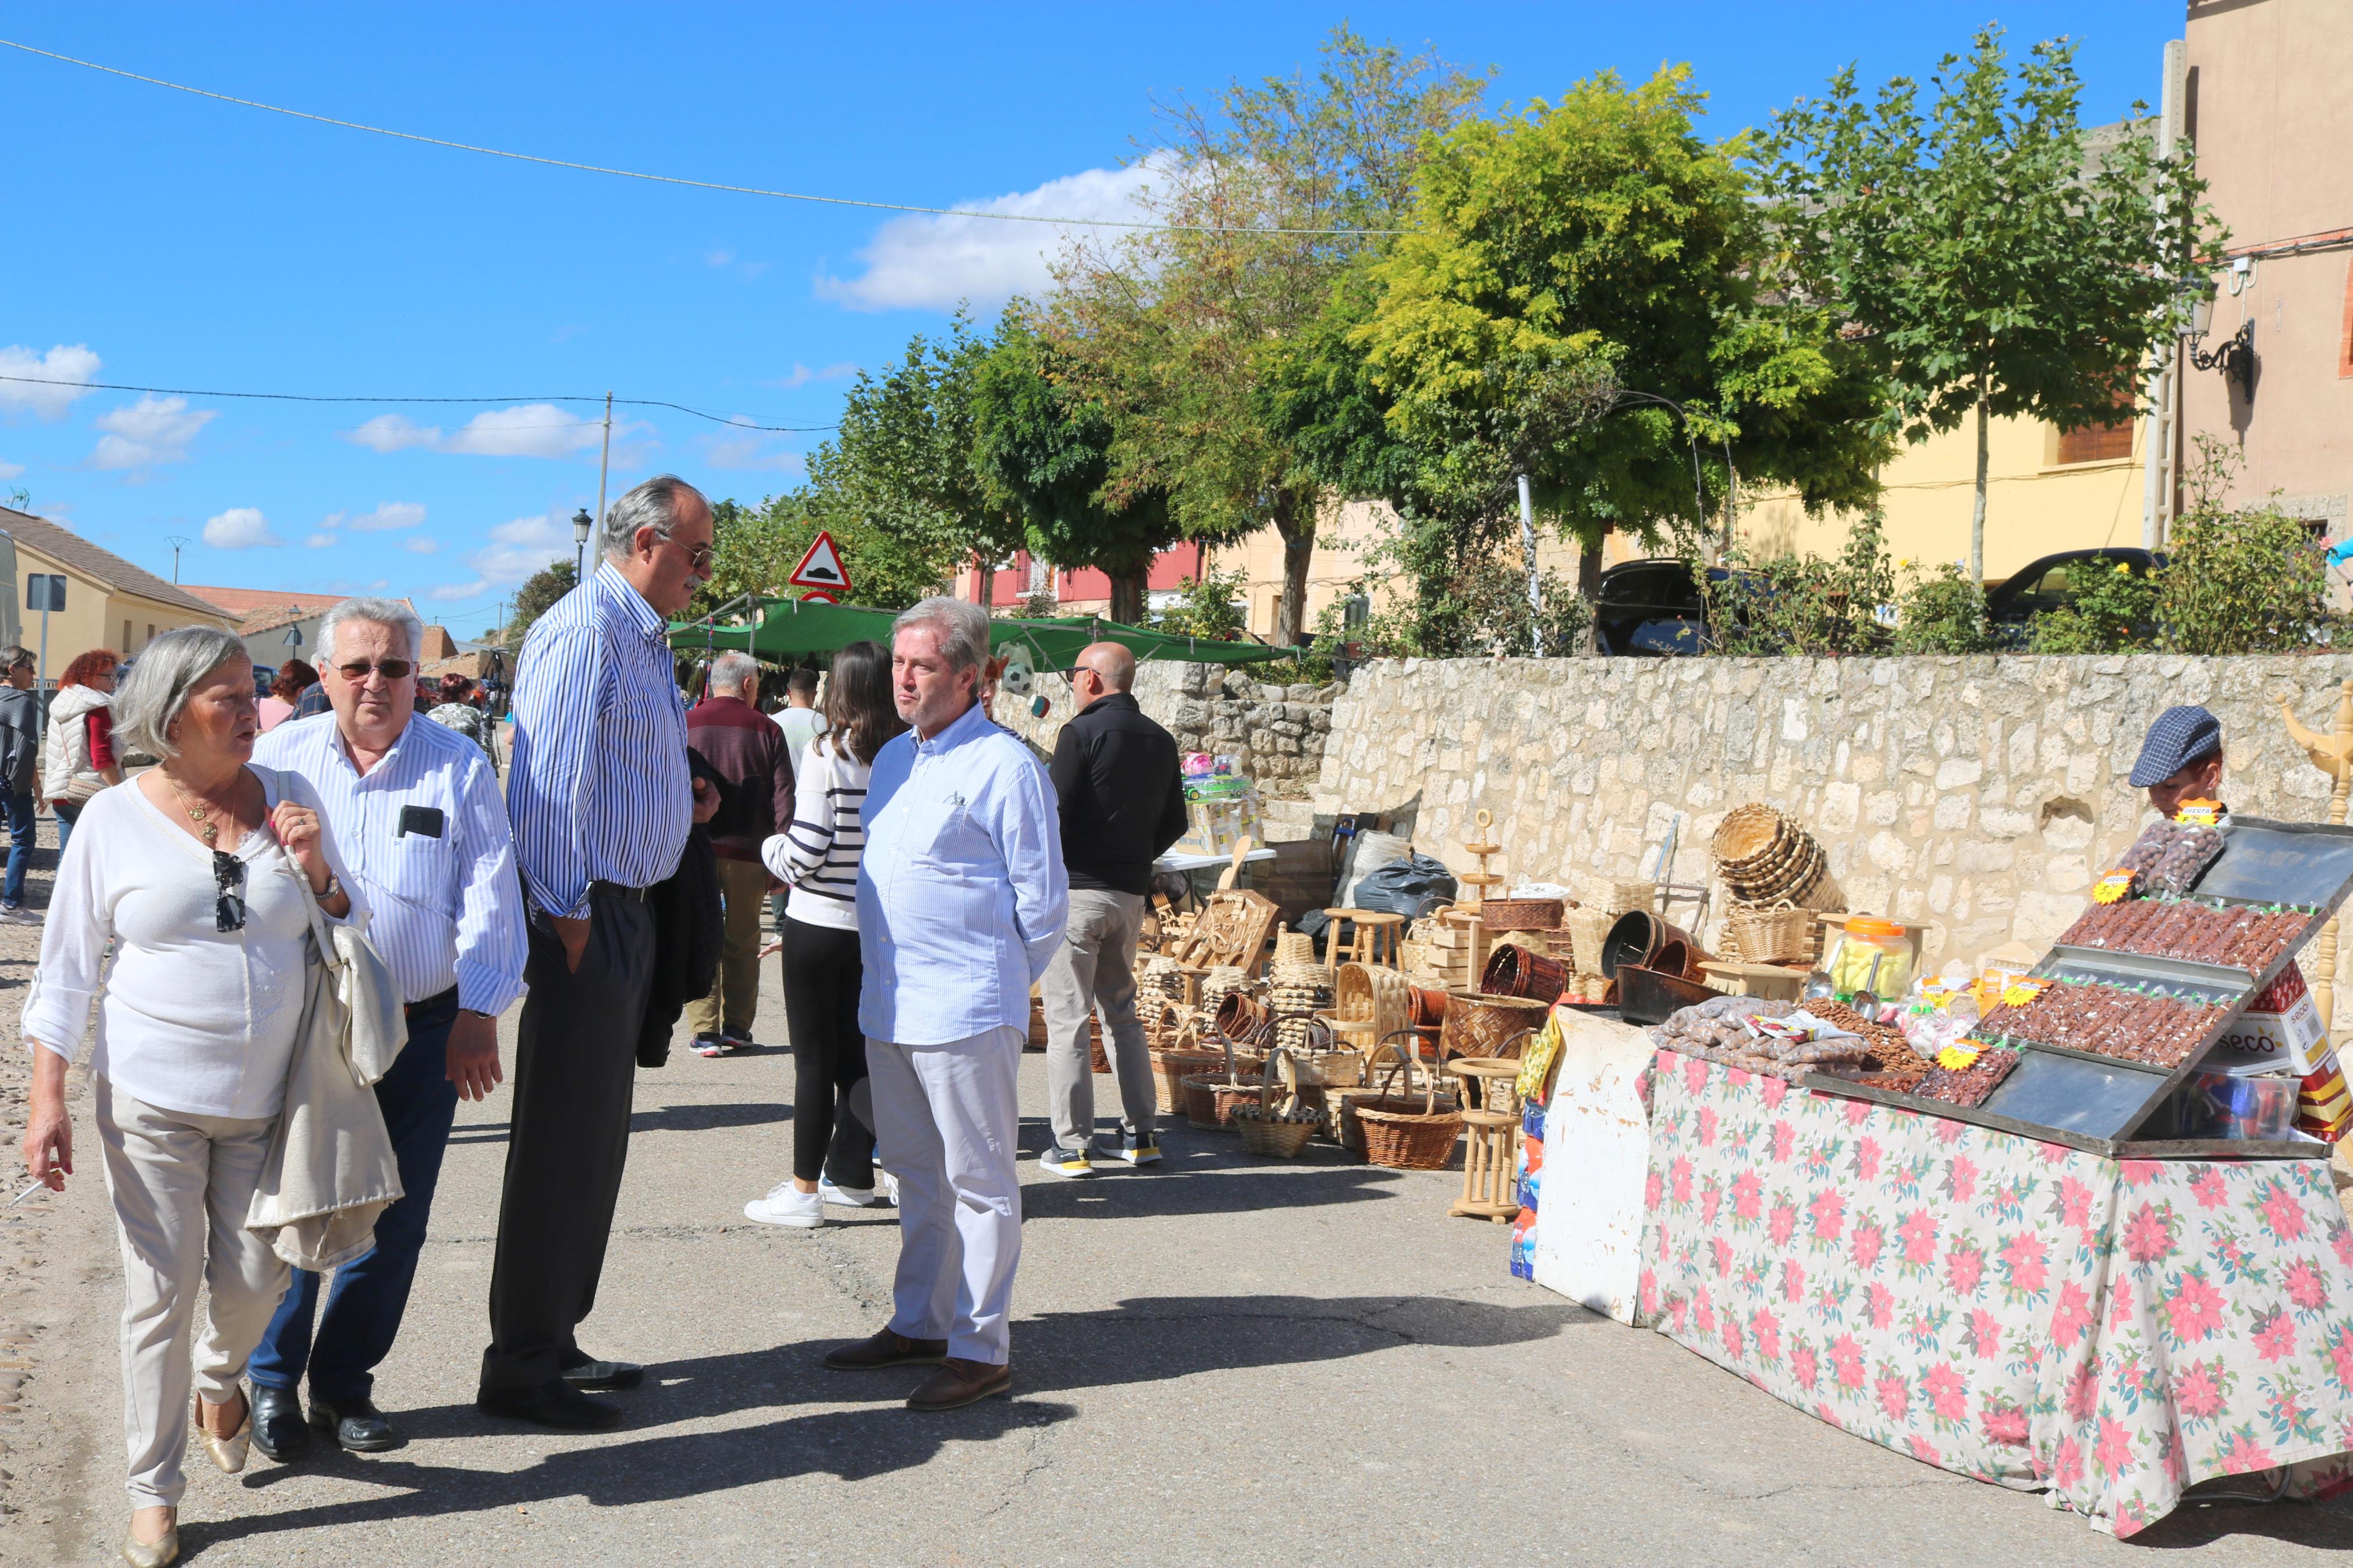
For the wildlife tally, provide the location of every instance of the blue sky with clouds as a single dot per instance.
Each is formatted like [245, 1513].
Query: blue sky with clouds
[163, 240]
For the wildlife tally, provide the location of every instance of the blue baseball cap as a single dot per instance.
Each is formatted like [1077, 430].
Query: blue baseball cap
[2180, 737]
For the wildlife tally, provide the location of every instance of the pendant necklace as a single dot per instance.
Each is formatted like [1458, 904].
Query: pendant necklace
[197, 811]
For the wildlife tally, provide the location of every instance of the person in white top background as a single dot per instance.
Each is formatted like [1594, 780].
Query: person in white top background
[195, 874]
[817, 856]
[416, 809]
[800, 718]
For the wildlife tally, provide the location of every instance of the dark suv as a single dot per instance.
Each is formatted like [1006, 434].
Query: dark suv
[2053, 582]
[1651, 607]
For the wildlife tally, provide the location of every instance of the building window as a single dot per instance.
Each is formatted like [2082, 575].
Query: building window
[2096, 443]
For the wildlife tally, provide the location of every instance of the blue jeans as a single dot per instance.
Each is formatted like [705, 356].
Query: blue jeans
[66, 815]
[370, 1293]
[21, 836]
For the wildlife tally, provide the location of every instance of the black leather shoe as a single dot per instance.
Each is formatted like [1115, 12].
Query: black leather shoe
[603, 1377]
[353, 1424]
[554, 1403]
[277, 1430]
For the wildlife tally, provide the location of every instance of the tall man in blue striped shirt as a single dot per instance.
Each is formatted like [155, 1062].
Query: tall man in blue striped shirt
[601, 799]
[415, 808]
[961, 902]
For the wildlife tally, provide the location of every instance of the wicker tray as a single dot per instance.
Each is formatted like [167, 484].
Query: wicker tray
[1522, 914]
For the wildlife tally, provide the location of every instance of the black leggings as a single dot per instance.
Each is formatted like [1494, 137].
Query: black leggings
[821, 975]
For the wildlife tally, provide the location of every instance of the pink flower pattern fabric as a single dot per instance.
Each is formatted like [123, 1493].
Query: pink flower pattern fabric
[2112, 1331]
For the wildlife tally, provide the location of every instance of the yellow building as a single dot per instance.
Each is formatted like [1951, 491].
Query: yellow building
[110, 603]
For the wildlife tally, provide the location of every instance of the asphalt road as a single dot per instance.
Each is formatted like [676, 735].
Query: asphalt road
[1223, 1362]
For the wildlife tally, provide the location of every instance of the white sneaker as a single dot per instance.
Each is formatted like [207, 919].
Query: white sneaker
[888, 1185]
[17, 915]
[787, 1205]
[848, 1198]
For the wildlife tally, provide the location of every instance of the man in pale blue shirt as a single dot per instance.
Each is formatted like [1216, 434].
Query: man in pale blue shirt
[960, 903]
[416, 810]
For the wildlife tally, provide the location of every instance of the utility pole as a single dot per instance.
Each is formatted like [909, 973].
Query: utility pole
[606, 461]
[175, 542]
[1528, 548]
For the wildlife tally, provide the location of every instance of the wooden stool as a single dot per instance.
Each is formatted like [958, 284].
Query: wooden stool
[1376, 940]
[1490, 1134]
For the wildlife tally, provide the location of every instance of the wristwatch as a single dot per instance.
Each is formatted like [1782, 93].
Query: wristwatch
[334, 885]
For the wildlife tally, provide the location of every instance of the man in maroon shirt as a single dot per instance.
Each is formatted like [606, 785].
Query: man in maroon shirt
[748, 750]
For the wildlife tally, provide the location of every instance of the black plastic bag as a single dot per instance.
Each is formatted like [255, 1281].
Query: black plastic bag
[1411, 887]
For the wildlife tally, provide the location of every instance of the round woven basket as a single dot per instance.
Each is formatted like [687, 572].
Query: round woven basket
[1294, 947]
[1172, 1064]
[1372, 994]
[1276, 1132]
[1781, 933]
[1522, 914]
[1513, 971]
[1211, 1099]
[1240, 1018]
[1746, 831]
[1478, 1025]
[1405, 1132]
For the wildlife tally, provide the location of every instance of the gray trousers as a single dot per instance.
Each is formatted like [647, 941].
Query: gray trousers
[1096, 968]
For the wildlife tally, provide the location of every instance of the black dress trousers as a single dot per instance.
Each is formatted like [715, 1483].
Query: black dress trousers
[576, 1067]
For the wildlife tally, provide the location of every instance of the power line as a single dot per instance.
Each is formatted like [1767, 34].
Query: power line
[731, 423]
[704, 185]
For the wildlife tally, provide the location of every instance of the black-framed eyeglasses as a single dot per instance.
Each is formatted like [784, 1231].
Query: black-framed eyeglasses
[229, 879]
[390, 668]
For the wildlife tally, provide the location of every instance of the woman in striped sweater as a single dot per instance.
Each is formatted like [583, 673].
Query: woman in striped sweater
[817, 858]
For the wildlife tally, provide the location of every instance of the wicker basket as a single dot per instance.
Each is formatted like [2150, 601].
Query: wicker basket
[1240, 1018]
[1405, 1133]
[1174, 1063]
[1780, 934]
[1515, 971]
[1369, 996]
[1211, 1099]
[1522, 914]
[1270, 1132]
[1747, 831]
[1294, 947]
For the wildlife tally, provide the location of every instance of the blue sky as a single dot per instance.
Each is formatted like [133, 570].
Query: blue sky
[163, 240]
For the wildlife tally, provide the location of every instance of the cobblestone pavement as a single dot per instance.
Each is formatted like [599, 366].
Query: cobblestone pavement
[1229, 1360]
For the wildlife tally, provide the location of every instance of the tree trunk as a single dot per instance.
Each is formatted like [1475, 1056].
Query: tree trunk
[1298, 536]
[1588, 563]
[1977, 511]
[985, 581]
[1127, 596]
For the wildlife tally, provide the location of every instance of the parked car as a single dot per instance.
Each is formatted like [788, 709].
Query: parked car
[2053, 582]
[1651, 607]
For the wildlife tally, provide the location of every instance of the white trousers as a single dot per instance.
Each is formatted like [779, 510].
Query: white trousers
[181, 1184]
[947, 1123]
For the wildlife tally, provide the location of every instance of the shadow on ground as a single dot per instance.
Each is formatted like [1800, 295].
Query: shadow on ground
[1144, 1339]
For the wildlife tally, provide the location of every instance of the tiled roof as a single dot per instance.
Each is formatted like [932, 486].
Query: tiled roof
[245, 601]
[101, 565]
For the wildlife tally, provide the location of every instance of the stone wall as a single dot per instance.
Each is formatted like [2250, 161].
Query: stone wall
[1978, 794]
[1276, 731]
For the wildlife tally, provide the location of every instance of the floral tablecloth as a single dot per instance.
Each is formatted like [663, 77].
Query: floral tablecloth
[2019, 1311]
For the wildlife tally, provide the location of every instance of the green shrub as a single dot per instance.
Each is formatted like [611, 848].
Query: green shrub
[2112, 614]
[1943, 610]
[1804, 605]
[2243, 580]
[1210, 609]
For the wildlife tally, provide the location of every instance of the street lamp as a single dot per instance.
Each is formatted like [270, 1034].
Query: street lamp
[2236, 356]
[581, 523]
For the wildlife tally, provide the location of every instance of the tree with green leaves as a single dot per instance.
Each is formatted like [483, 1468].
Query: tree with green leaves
[1582, 299]
[754, 549]
[1044, 443]
[1987, 261]
[537, 596]
[1267, 194]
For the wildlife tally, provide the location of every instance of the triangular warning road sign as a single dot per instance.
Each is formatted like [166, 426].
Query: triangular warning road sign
[822, 567]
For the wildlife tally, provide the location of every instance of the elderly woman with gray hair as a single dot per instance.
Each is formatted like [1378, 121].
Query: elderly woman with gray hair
[199, 874]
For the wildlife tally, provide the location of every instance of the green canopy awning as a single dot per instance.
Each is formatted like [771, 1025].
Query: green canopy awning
[788, 629]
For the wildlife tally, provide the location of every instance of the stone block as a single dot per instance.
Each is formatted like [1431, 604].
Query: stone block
[1952, 813]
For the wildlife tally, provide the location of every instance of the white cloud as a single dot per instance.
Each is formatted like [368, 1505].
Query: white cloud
[931, 263]
[457, 593]
[151, 431]
[717, 258]
[60, 364]
[419, 544]
[802, 375]
[391, 515]
[515, 550]
[752, 450]
[321, 541]
[10, 470]
[526, 430]
[240, 528]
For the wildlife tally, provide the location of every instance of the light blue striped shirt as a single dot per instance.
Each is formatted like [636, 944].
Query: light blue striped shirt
[597, 783]
[962, 896]
[446, 910]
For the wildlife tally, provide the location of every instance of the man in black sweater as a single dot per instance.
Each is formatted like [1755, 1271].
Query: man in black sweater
[1123, 804]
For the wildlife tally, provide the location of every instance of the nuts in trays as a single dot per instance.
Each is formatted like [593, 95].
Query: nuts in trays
[2130, 1026]
[2243, 937]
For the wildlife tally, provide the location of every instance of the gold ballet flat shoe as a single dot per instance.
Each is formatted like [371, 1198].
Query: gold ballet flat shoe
[152, 1554]
[229, 1452]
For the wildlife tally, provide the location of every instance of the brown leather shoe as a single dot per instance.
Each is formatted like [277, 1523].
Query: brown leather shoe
[887, 1347]
[959, 1382]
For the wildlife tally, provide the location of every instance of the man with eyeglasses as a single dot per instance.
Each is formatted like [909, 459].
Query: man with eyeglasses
[602, 801]
[416, 810]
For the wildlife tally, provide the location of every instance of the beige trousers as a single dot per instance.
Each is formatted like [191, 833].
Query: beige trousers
[181, 1186]
[735, 996]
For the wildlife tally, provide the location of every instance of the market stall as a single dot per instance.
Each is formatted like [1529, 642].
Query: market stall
[2071, 1229]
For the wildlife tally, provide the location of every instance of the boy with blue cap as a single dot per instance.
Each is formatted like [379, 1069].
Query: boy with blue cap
[2180, 759]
